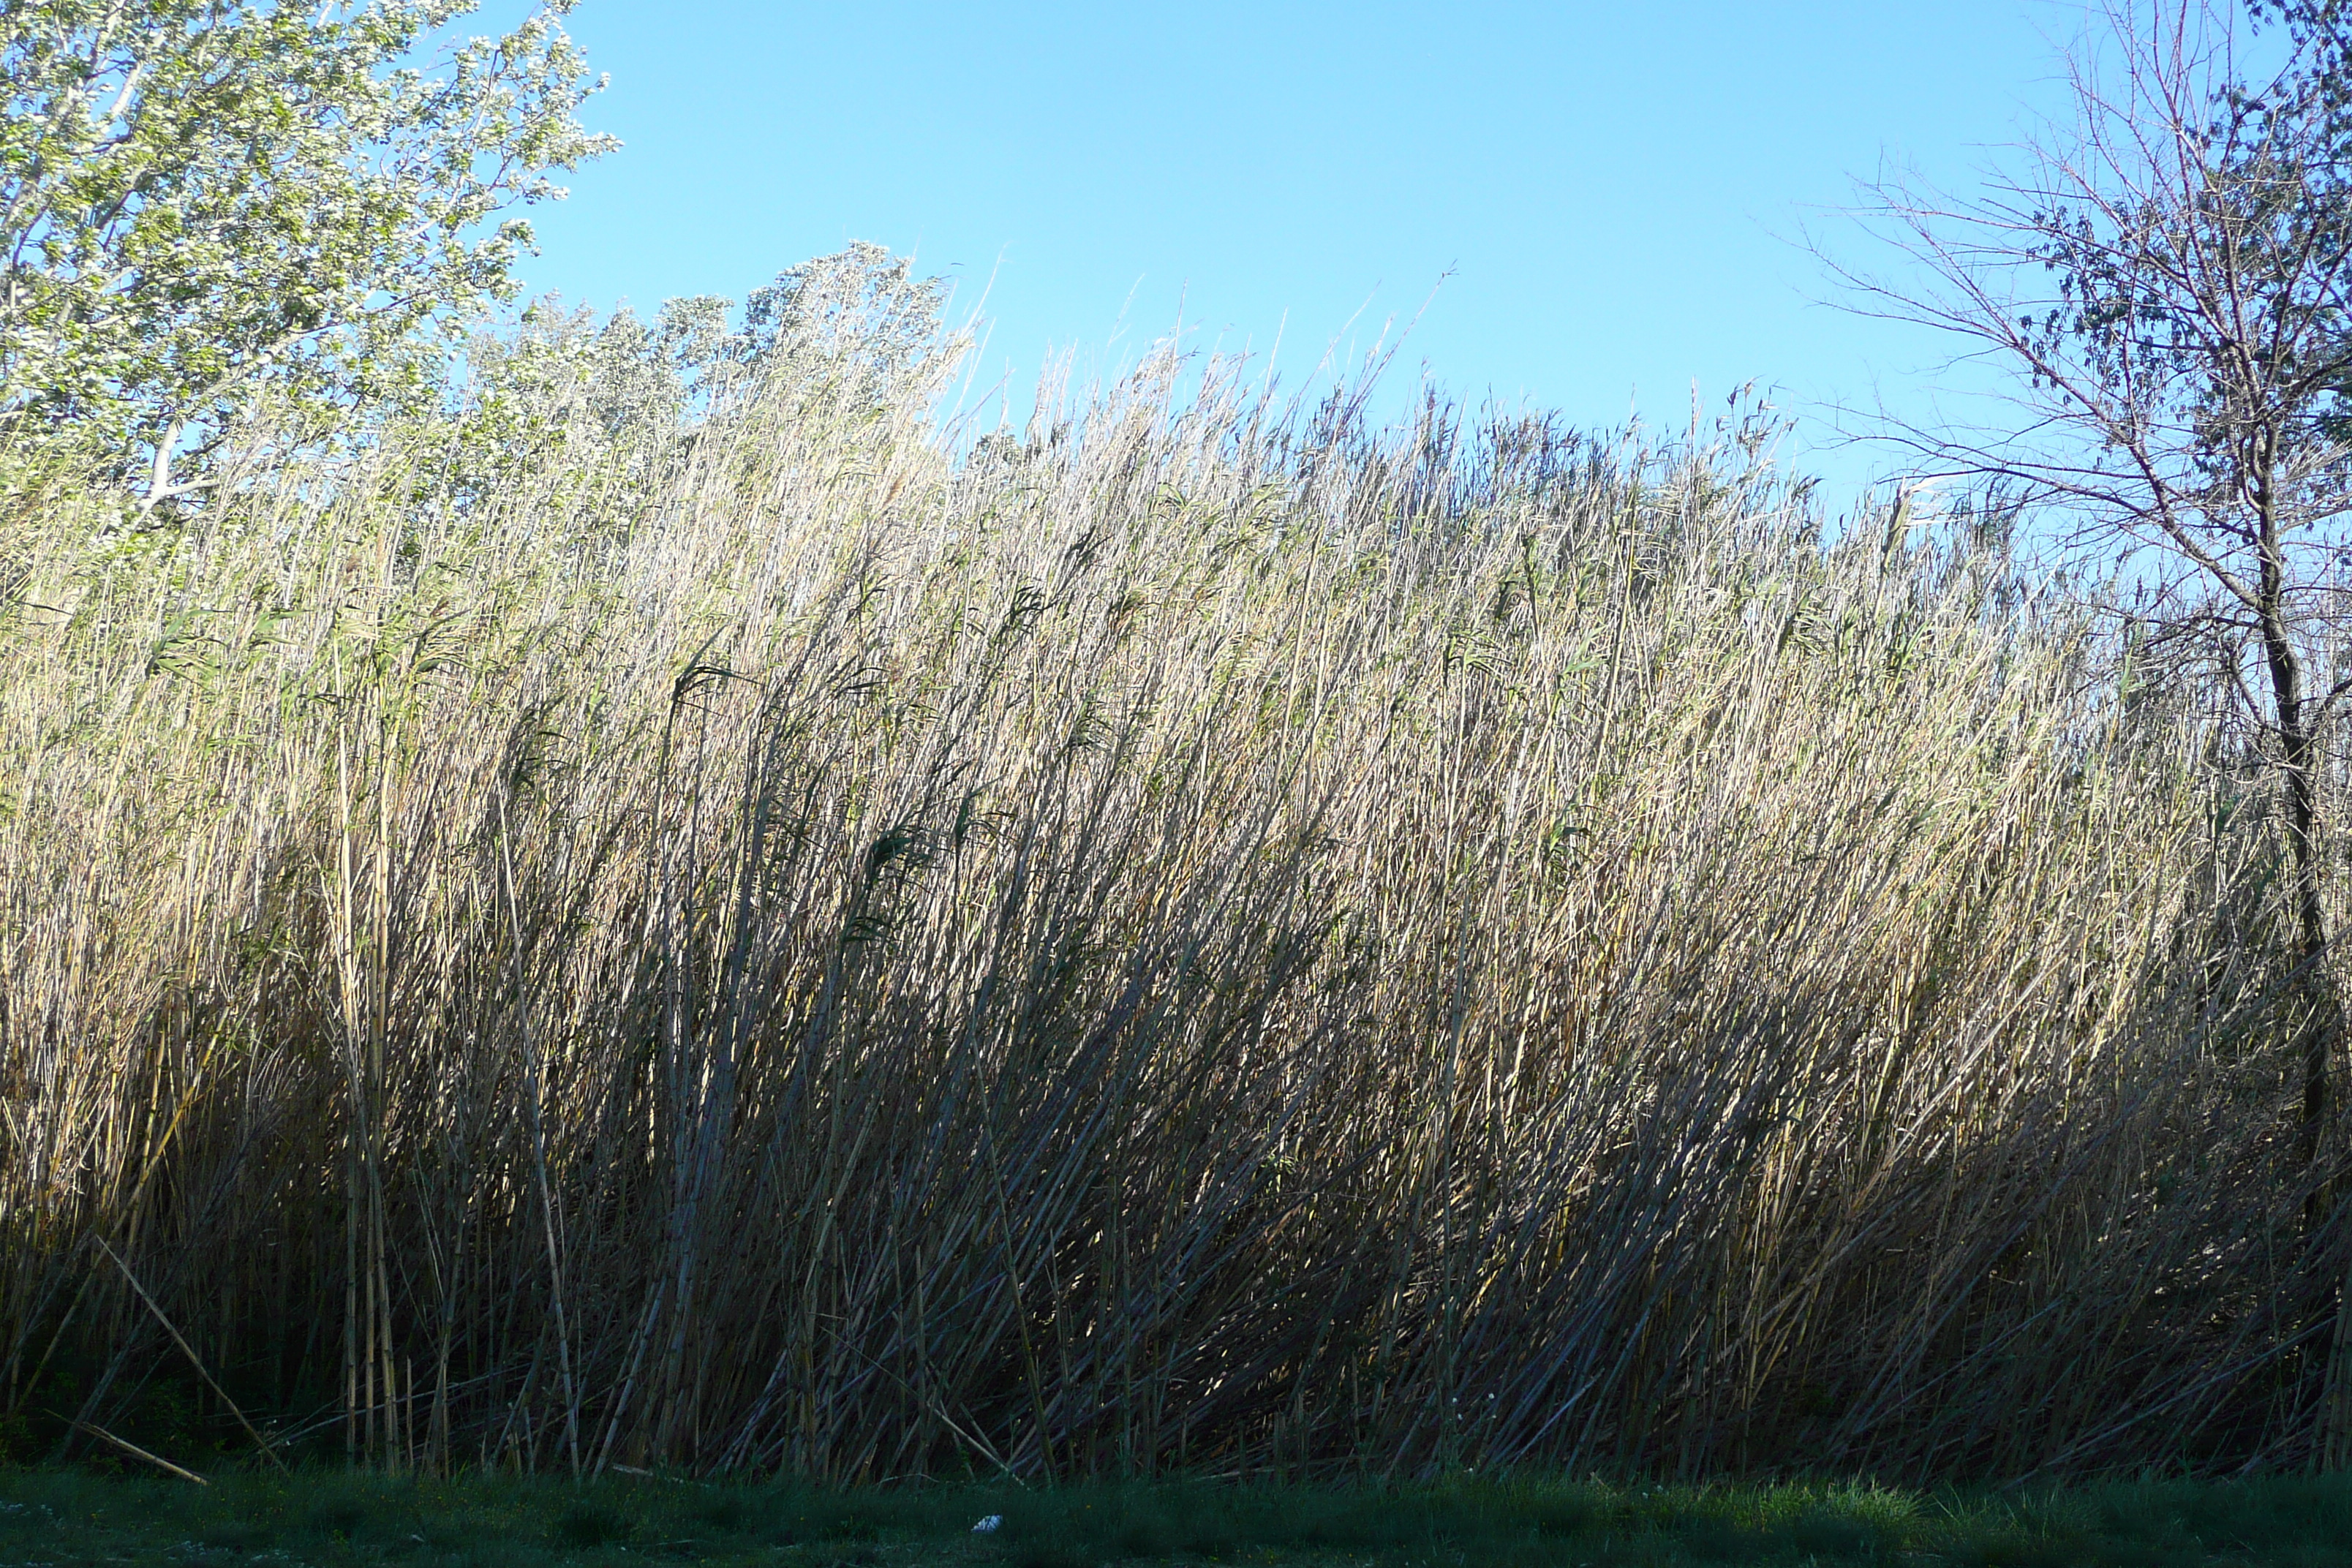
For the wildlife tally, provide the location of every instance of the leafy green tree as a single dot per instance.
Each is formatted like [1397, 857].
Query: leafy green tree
[857, 328]
[204, 203]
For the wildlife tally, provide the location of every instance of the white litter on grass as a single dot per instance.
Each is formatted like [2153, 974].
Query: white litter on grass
[990, 1525]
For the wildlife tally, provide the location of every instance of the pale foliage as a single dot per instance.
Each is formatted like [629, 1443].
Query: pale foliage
[736, 933]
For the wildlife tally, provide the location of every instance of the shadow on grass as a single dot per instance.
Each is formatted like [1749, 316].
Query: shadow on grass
[58, 1517]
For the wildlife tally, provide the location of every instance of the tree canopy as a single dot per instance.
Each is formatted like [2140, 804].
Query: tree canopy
[203, 201]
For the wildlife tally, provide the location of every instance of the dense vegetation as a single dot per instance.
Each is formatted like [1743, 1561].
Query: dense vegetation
[668, 912]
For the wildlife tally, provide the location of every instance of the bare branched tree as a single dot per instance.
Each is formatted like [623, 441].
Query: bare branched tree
[2166, 278]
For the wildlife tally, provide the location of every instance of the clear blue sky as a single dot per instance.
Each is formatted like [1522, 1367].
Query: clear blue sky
[1612, 188]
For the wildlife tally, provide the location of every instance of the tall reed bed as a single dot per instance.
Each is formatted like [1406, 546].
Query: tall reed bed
[1198, 936]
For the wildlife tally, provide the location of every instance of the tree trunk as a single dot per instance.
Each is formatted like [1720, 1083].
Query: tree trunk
[2319, 1015]
[2322, 1011]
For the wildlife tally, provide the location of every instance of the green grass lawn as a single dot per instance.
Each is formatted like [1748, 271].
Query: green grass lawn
[50, 1519]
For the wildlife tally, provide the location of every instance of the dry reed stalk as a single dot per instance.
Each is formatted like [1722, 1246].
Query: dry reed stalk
[1202, 935]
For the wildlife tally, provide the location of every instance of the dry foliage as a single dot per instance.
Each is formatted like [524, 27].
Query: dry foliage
[1204, 936]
